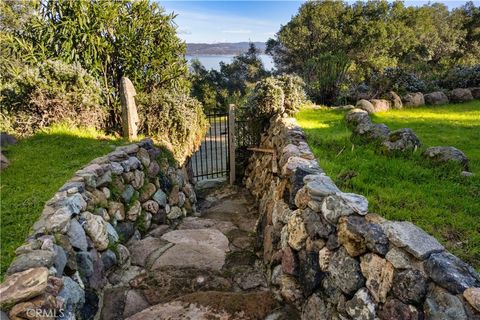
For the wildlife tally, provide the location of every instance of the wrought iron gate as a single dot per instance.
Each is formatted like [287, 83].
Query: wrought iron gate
[212, 160]
[225, 145]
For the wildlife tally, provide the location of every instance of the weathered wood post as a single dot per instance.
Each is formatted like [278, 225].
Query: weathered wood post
[231, 141]
[130, 118]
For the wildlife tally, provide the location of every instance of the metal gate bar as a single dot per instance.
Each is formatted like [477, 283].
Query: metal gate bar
[212, 160]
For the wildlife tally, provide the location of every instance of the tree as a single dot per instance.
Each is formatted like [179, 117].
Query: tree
[439, 38]
[470, 17]
[107, 40]
[374, 36]
[244, 71]
[110, 39]
[216, 89]
[203, 85]
[14, 15]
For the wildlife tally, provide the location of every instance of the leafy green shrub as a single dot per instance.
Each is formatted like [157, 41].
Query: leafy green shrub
[174, 118]
[461, 77]
[267, 98]
[324, 75]
[293, 91]
[33, 97]
[398, 80]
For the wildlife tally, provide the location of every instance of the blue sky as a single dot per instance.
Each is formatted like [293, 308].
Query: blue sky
[235, 21]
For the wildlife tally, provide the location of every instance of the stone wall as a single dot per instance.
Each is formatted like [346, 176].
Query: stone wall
[392, 100]
[332, 259]
[78, 242]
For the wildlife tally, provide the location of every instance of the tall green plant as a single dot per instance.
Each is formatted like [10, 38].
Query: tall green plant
[217, 89]
[324, 74]
[110, 39]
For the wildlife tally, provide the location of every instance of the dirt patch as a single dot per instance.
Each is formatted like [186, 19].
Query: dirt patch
[169, 283]
[239, 258]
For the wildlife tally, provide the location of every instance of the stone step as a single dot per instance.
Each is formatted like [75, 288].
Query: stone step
[213, 305]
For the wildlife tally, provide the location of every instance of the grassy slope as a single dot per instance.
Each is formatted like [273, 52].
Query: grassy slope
[39, 167]
[407, 187]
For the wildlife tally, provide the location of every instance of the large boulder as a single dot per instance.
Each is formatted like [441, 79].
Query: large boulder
[370, 132]
[365, 105]
[395, 100]
[461, 95]
[356, 116]
[446, 154]
[414, 99]
[401, 140]
[380, 105]
[436, 98]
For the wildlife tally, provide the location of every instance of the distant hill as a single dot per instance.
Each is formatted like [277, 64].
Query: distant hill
[221, 48]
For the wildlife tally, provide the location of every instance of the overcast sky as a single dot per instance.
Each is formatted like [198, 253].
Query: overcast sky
[236, 21]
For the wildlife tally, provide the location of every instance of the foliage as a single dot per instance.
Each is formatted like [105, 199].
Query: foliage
[217, 89]
[271, 96]
[376, 35]
[398, 80]
[470, 17]
[324, 74]
[267, 98]
[209, 87]
[244, 71]
[437, 199]
[462, 77]
[110, 39]
[173, 117]
[33, 97]
[293, 91]
[39, 167]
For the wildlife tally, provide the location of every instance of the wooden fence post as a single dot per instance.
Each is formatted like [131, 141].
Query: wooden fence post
[231, 141]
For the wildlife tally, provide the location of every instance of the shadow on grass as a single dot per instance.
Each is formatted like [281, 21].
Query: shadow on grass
[40, 165]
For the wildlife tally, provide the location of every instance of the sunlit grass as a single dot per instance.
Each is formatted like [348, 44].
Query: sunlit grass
[407, 187]
[40, 165]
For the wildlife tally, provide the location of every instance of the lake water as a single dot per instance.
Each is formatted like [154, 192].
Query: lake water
[213, 61]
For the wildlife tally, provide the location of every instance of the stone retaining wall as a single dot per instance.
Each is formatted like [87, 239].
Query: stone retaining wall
[78, 241]
[332, 259]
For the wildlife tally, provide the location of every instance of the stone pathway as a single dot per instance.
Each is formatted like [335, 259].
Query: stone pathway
[205, 268]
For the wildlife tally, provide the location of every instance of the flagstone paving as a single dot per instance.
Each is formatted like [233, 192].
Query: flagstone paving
[204, 268]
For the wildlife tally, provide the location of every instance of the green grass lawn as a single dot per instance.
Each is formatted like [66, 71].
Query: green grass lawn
[404, 187]
[40, 165]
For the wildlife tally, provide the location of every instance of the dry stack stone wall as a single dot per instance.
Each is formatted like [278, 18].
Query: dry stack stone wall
[78, 241]
[332, 259]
